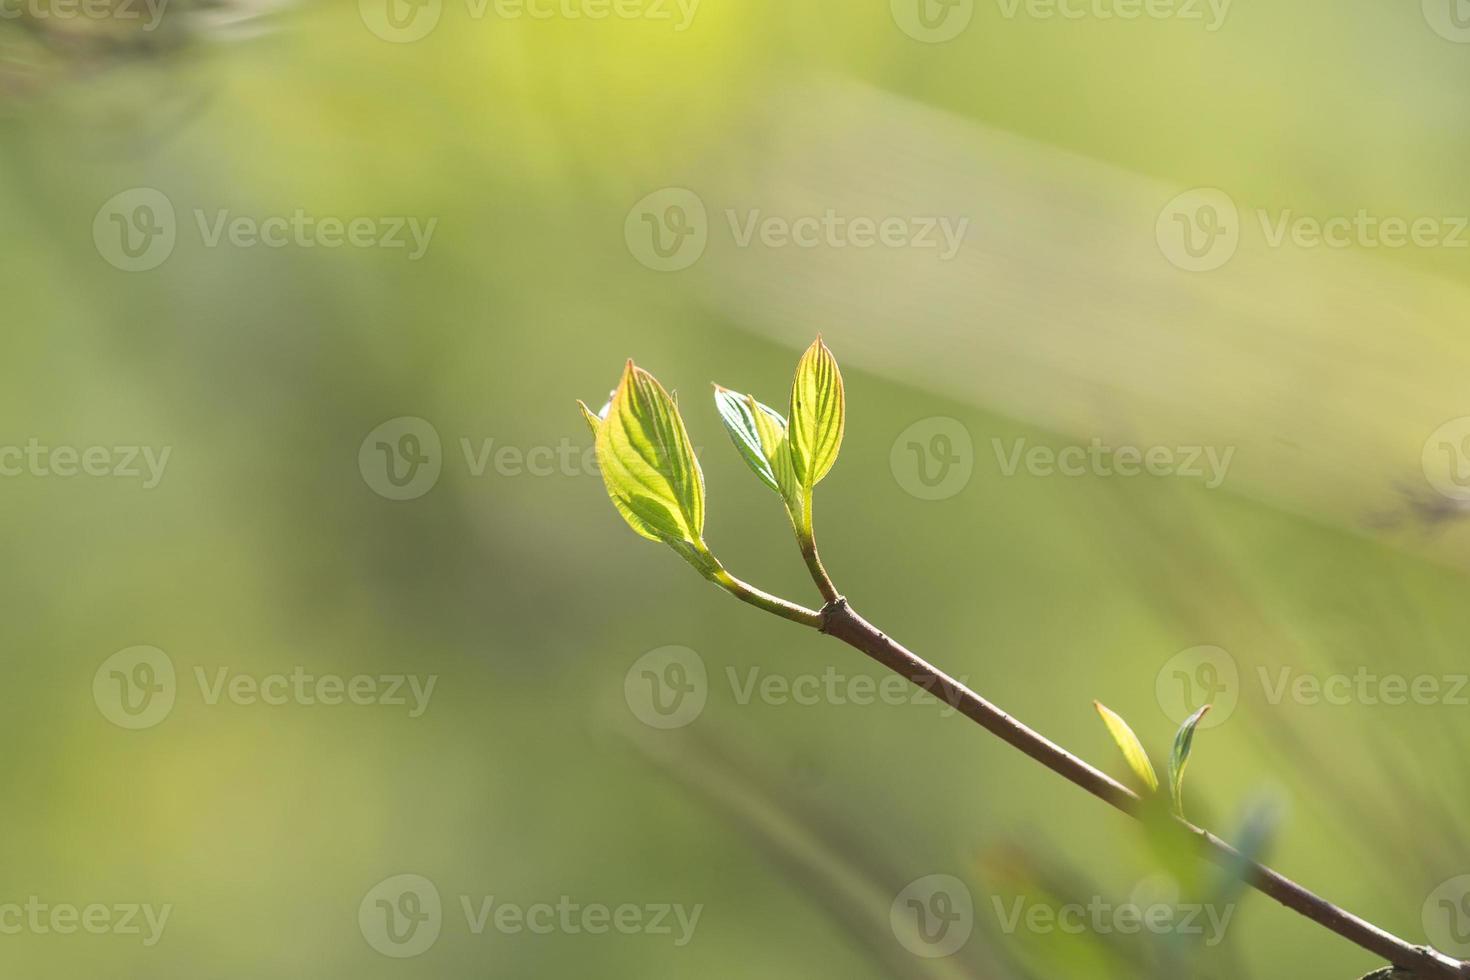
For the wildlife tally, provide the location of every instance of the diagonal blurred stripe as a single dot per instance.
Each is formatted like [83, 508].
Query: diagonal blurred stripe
[1327, 370]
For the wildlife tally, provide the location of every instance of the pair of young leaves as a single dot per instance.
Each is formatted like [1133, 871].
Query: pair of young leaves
[1137, 757]
[654, 480]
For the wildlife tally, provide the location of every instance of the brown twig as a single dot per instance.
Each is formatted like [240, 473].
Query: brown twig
[840, 621]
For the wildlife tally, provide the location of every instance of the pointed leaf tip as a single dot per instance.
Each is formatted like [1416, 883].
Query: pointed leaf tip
[1179, 756]
[648, 463]
[1133, 751]
[594, 420]
[818, 414]
[758, 432]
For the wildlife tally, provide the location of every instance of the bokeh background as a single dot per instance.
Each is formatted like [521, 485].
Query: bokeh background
[546, 151]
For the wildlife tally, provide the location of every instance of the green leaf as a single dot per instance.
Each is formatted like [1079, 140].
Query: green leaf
[760, 433]
[1132, 748]
[1179, 757]
[818, 414]
[774, 433]
[742, 417]
[648, 463]
[594, 419]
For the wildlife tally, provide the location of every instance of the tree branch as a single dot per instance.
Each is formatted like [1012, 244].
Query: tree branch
[840, 621]
[764, 600]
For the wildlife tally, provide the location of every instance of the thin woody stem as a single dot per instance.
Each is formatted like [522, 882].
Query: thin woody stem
[806, 538]
[764, 600]
[819, 573]
[840, 621]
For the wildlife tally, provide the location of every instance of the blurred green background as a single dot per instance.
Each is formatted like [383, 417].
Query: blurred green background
[271, 544]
